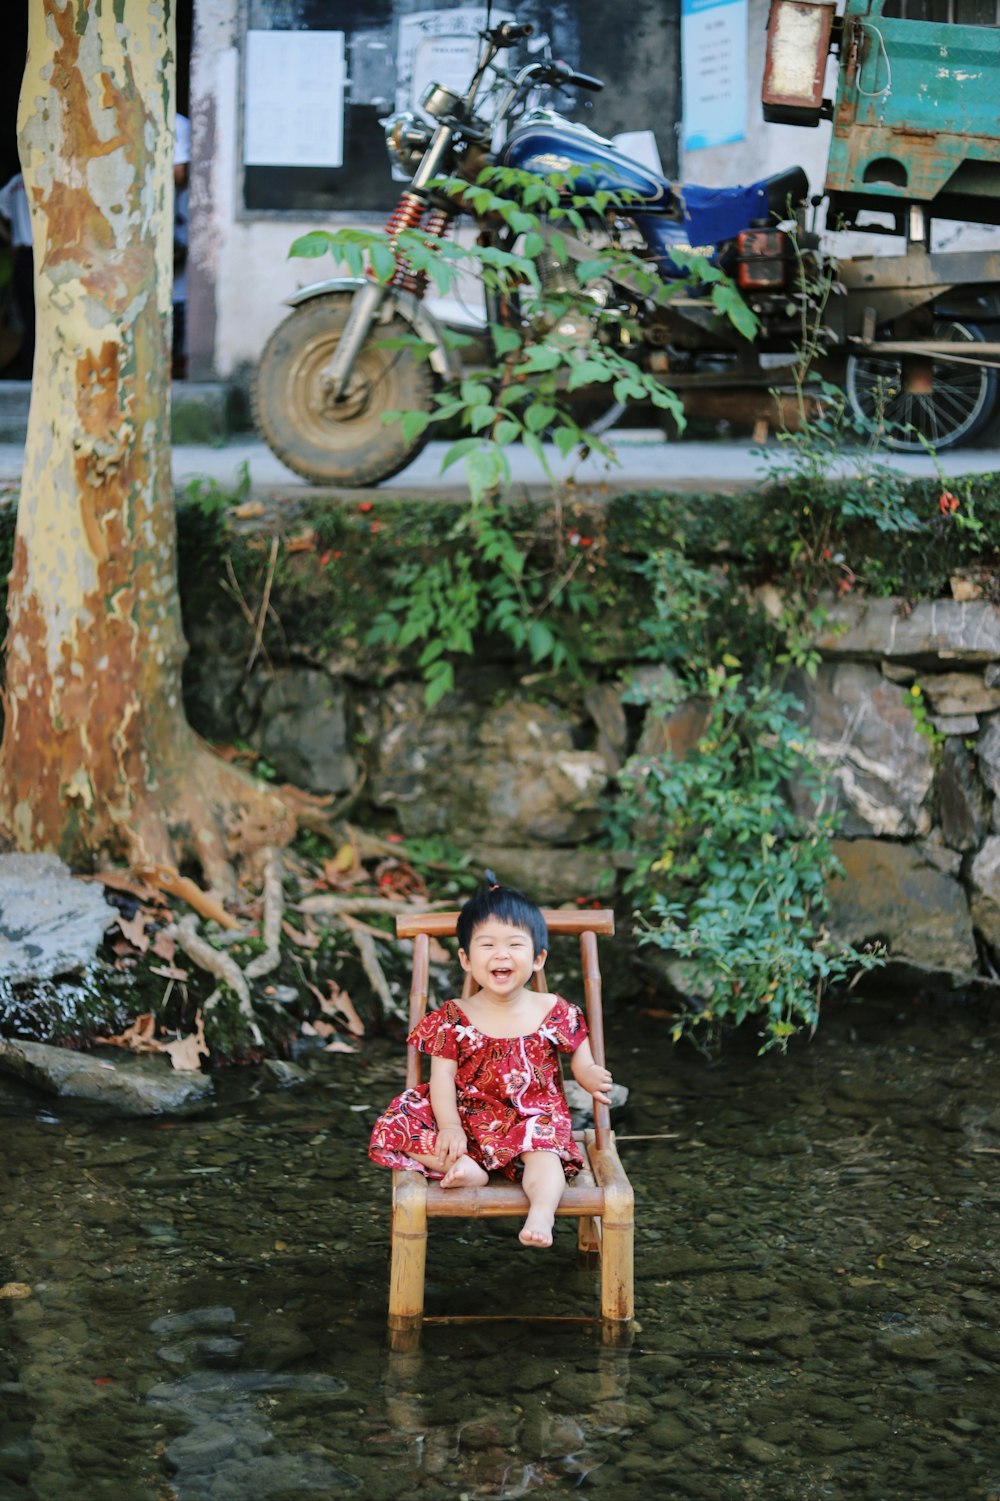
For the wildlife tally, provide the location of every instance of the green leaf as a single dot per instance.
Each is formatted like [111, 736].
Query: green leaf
[383, 262]
[533, 246]
[316, 243]
[483, 472]
[505, 340]
[537, 417]
[413, 425]
[480, 418]
[458, 451]
[566, 439]
[506, 431]
[540, 640]
[440, 680]
[727, 300]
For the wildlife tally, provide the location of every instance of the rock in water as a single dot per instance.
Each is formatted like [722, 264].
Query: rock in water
[129, 1086]
[50, 923]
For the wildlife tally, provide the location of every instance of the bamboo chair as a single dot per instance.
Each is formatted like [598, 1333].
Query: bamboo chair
[600, 1196]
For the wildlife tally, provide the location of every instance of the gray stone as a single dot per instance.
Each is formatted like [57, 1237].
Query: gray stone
[283, 1075]
[963, 804]
[548, 875]
[984, 879]
[50, 923]
[988, 752]
[937, 853]
[302, 730]
[935, 630]
[955, 724]
[128, 1086]
[889, 891]
[898, 672]
[864, 731]
[991, 677]
[959, 693]
[581, 1104]
[470, 771]
[604, 705]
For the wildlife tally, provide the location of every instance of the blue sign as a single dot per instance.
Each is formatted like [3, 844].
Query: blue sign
[714, 71]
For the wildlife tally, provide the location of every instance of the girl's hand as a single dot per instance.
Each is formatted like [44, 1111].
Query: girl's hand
[451, 1145]
[596, 1081]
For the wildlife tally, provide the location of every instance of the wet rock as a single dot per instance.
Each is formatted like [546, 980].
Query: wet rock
[918, 1348]
[864, 731]
[581, 1104]
[760, 1451]
[668, 1433]
[984, 880]
[282, 1075]
[194, 1318]
[984, 1343]
[128, 1086]
[988, 753]
[50, 923]
[675, 733]
[889, 891]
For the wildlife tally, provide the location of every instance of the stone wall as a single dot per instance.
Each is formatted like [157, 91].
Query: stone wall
[513, 769]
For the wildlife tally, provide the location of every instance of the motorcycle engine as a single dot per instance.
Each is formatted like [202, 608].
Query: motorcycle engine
[574, 322]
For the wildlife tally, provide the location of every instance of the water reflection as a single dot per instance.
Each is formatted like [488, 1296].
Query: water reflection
[818, 1271]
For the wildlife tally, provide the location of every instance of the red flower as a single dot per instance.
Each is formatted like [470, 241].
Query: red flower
[366, 505]
[948, 502]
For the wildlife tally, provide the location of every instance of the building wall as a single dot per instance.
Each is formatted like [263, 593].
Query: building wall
[239, 270]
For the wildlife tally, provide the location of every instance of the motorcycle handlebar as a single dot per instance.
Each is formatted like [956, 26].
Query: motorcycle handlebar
[562, 73]
[510, 32]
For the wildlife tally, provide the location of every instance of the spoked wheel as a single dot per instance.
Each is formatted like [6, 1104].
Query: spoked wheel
[345, 441]
[912, 402]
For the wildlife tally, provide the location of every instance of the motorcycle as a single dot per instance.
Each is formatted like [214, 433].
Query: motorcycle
[338, 364]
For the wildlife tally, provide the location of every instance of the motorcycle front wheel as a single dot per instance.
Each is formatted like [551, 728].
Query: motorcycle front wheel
[950, 408]
[343, 442]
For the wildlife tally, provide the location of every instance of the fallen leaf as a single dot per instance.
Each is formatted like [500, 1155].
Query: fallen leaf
[323, 1029]
[339, 1003]
[302, 542]
[119, 880]
[169, 972]
[249, 510]
[186, 1053]
[15, 1290]
[140, 1037]
[339, 1047]
[134, 929]
[164, 946]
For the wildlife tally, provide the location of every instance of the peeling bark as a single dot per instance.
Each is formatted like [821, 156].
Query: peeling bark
[97, 761]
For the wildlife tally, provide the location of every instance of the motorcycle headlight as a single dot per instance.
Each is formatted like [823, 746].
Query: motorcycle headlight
[406, 138]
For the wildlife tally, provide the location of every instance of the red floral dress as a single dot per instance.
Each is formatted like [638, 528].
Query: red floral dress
[509, 1092]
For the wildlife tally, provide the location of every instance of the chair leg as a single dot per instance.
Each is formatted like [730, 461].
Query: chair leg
[588, 1236]
[617, 1234]
[409, 1250]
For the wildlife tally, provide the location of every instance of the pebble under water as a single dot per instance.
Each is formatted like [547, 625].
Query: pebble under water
[202, 1300]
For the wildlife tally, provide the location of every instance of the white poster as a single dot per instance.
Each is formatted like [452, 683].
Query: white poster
[440, 46]
[293, 112]
[714, 71]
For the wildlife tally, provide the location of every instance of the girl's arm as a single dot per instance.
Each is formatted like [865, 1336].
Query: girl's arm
[451, 1142]
[594, 1079]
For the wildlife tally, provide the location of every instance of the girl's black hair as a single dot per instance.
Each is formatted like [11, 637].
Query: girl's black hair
[505, 904]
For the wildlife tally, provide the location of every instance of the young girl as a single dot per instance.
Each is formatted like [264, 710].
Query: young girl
[495, 1100]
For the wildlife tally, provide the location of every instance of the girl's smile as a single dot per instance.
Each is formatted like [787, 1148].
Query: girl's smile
[501, 958]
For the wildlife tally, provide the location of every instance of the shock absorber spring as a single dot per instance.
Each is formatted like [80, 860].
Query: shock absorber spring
[434, 227]
[406, 215]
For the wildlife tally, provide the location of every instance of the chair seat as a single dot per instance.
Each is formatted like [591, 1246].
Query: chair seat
[502, 1197]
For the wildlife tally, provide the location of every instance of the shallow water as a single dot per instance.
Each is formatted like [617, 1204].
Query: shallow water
[818, 1273]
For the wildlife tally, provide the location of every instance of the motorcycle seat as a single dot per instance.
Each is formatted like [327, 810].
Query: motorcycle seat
[712, 215]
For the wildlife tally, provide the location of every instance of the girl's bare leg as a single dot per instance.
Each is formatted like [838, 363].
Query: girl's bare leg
[465, 1173]
[544, 1181]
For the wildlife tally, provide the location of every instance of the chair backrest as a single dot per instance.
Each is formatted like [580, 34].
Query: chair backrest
[587, 923]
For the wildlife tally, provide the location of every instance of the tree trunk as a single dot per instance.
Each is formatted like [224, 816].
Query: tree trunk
[97, 761]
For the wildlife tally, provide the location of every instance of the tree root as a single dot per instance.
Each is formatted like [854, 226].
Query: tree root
[365, 945]
[222, 966]
[274, 911]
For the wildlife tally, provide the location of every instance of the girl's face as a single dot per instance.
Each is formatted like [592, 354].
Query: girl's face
[501, 958]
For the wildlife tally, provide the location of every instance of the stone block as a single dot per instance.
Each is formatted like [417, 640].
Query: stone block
[891, 892]
[882, 768]
[984, 881]
[302, 729]
[51, 924]
[988, 752]
[959, 693]
[945, 630]
[604, 705]
[676, 733]
[482, 773]
[963, 802]
[550, 876]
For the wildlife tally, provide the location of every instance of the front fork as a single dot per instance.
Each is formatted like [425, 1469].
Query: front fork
[369, 300]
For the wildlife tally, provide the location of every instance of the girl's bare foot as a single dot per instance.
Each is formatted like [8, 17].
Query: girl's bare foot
[465, 1174]
[536, 1230]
